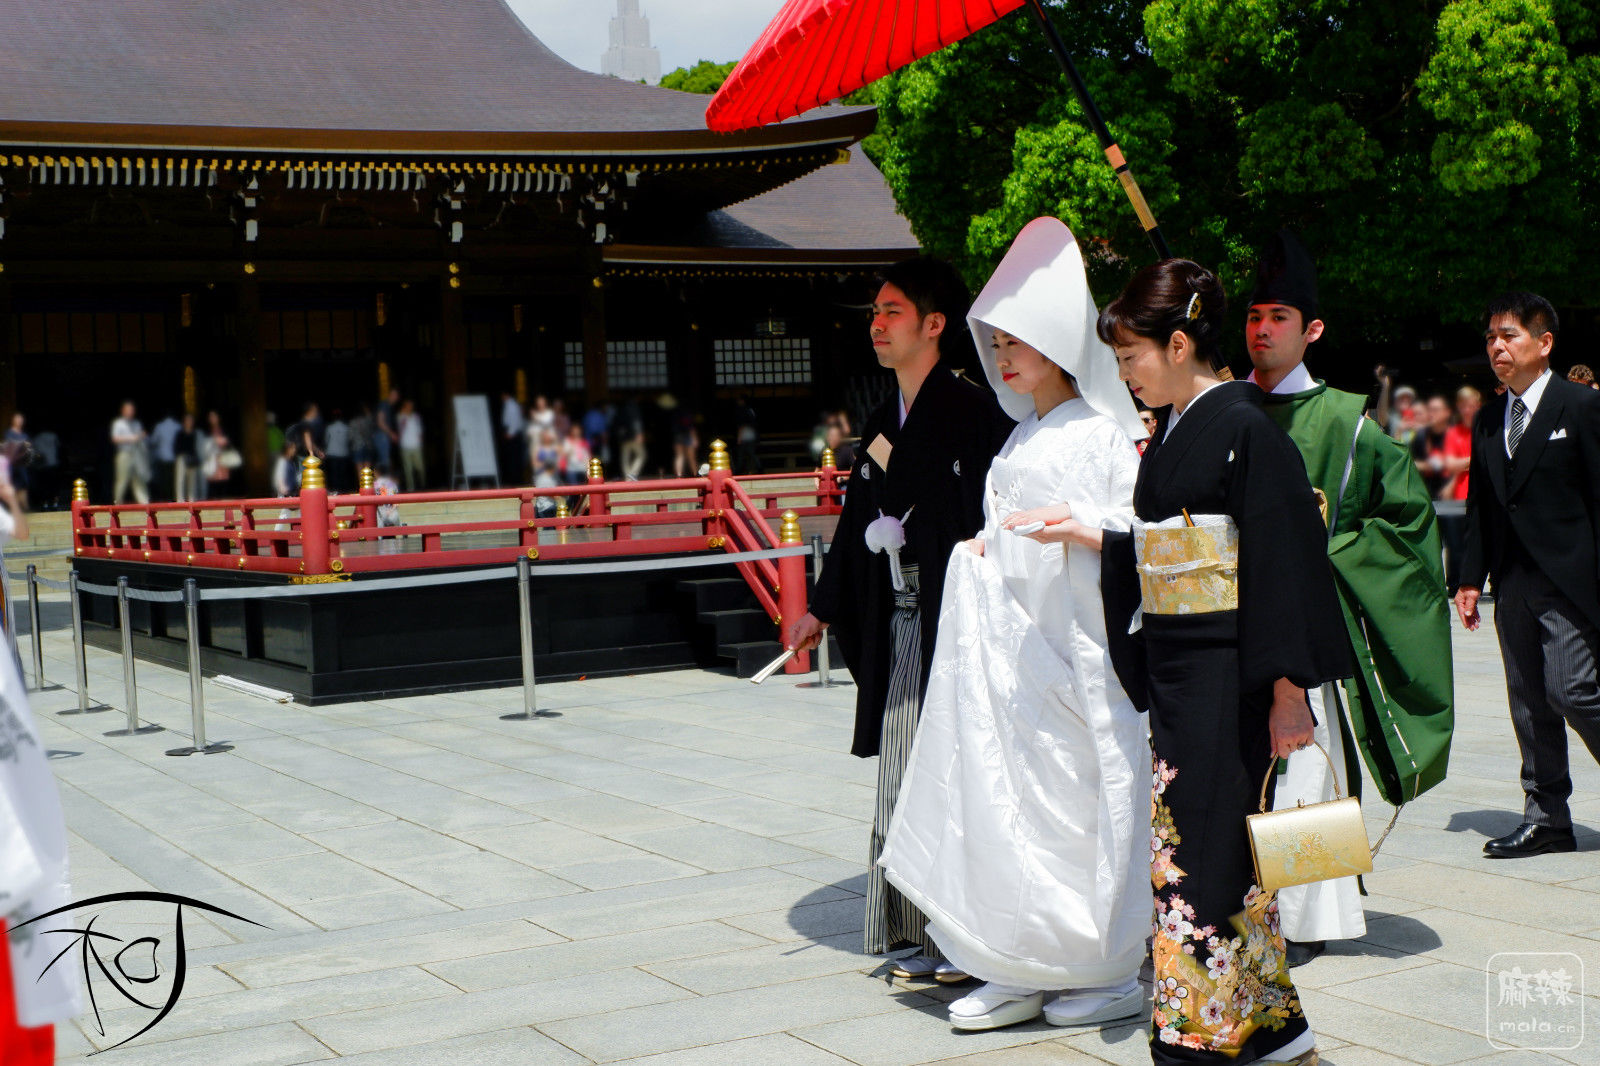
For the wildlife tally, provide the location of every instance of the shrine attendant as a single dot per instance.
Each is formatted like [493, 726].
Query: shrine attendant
[1230, 651]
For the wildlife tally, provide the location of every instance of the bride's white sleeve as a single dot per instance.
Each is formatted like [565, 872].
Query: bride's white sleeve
[1118, 460]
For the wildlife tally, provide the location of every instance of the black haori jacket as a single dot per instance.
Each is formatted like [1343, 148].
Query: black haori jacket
[936, 471]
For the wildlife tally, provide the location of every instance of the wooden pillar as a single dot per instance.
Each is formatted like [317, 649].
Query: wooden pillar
[452, 346]
[252, 427]
[452, 351]
[596, 386]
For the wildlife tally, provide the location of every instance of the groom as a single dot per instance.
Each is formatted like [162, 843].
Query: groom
[922, 462]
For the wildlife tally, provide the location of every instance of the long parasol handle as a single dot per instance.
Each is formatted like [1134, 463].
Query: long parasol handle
[1114, 155]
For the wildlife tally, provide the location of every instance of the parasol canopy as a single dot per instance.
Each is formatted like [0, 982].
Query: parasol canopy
[814, 51]
[819, 50]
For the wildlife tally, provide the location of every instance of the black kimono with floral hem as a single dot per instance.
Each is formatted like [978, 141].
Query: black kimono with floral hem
[1222, 984]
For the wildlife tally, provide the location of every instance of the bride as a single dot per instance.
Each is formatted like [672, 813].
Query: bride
[1022, 828]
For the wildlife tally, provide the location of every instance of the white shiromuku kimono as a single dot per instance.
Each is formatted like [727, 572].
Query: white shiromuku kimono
[1023, 824]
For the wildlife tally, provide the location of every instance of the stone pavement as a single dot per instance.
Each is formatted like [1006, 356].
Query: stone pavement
[668, 873]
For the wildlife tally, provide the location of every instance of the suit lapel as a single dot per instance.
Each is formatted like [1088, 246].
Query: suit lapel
[1491, 427]
[1535, 437]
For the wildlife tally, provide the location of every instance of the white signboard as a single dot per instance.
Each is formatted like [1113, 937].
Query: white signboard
[475, 438]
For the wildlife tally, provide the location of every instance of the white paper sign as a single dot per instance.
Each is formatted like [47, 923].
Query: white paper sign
[475, 437]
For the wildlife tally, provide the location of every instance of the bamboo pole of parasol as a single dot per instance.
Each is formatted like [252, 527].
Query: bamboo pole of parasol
[1114, 155]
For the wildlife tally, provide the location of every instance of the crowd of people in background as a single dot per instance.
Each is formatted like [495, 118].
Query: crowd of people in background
[183, 458]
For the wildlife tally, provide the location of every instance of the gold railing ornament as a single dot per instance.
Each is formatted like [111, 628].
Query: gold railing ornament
[80, 491]
[719, 456]
[827, 458]
[311, 476]
[368, 478]
[597, 469]
[789, 532]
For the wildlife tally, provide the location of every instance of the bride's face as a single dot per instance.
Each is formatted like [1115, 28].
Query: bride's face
[1021, 366]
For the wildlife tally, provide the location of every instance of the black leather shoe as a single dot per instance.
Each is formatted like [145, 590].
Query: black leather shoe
[1303, 951]
[1529, 839]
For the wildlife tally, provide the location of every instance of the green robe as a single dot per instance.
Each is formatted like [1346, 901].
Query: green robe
[1386, 563]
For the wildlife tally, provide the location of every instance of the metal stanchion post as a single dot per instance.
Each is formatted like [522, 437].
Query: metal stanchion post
[530, 701]
[34, 627]
[130, 681]
[79, 652]
[197, 700]
[823, 680]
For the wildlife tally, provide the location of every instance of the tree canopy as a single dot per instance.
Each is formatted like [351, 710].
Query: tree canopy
[1429, 153]
[704, 77]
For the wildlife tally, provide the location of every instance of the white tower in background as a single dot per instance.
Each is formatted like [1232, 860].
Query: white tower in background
[630, 56]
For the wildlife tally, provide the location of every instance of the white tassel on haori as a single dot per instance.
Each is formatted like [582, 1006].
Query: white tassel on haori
[887, 533]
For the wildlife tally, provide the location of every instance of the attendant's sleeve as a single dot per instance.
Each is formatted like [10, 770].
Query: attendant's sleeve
[1387, 568]
[1290, 623]
[1475, 558]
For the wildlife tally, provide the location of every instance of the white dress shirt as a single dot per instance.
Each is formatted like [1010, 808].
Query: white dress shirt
[1530, 400]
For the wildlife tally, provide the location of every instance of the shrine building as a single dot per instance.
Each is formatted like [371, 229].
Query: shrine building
[240, 206]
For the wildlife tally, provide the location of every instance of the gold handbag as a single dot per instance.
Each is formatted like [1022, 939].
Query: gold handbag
[1310, 841]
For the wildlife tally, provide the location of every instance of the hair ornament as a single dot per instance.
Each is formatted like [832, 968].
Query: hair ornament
[1195, 307]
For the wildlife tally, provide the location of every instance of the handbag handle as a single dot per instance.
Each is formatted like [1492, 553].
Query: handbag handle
[1272, 768]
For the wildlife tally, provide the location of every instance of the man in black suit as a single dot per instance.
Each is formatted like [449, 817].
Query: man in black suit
[1532, 524]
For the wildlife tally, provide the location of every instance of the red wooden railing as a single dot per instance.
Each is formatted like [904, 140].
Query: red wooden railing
[318, 535]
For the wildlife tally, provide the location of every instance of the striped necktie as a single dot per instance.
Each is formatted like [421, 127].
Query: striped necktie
[1519, 422]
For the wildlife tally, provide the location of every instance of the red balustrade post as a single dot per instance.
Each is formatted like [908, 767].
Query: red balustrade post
[716, 525]
[599, 502]
[792, 589]
[80, 500]
[313, 517]
[827, 480]
[368, 511]
[528, 535]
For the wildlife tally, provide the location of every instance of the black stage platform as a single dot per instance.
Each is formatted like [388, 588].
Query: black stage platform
[397, 642]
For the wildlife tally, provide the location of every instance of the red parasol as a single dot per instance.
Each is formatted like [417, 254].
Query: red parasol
[819, 50]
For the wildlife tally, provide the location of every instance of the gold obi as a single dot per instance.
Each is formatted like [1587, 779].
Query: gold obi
[1188, 568]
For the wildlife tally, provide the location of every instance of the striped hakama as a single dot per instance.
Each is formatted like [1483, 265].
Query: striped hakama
[892, 922]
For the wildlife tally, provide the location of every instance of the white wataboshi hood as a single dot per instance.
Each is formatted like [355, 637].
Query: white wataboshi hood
[1040, 295]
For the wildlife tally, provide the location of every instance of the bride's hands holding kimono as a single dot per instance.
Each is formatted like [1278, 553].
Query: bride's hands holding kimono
[1059, 526]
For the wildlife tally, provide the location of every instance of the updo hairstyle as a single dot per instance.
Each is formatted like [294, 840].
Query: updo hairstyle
[1164, 298]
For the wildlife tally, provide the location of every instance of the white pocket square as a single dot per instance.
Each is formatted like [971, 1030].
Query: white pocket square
[1560, 434]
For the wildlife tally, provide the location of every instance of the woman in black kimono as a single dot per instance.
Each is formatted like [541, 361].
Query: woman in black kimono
[1227, 656]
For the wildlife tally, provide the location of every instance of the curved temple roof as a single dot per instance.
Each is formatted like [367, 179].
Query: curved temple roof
[346, 75]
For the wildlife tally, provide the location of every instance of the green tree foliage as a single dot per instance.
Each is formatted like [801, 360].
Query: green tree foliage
[1429, 152]
[704, 77]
